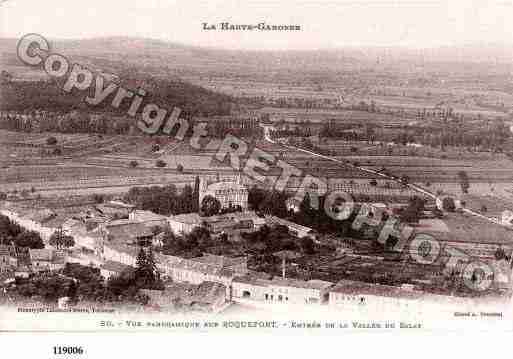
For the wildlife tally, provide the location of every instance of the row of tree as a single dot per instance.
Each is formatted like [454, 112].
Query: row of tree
[165, 200]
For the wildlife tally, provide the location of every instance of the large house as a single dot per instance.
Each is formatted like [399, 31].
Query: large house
[507, 218]
[148, 218]
[86, 240]
[353, 294]
[229, 194]
[228, 223]
[46, 259]
[185, 223]
[127, 231]
[8, 258]
[281, 290]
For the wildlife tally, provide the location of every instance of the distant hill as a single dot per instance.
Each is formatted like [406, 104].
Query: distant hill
[161, 58]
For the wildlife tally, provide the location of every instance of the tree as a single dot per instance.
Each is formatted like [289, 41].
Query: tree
[146, 274]
[196, 194]
[210, 206]
[51, 141]
[29, 239]
[411, 213]
[98, 198]
[60, 240]
[133, 163]
[179, 168]
[448, 204]
[307, 245]
[500, 253]
[160, 163]
[464, 182]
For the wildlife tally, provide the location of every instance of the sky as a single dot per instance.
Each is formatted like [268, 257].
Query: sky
[324, 23]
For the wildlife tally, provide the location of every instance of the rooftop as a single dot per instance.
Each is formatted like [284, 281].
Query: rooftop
[188, 218]
[278, 220]
[47, 255]
[285, 282]
[114, 266]
[143, 216]
[226, 186]
[123, 248]
[126, 229]
[362, 288]
[219, 261]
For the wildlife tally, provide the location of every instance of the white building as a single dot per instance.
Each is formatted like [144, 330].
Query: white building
[356, 295]
[227, 193]
[279, 290]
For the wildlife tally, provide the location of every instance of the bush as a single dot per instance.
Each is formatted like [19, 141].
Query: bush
[160, 163]
[51, 141]
[179, 168]
[98, 198]
[134, 164]
[448, 204]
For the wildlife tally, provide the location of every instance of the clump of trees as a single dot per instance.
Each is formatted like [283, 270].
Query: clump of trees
[60, 240]
[51, 141]
[164, 200]
[267, 201]
[13, 233]
[412, 213]
[188, 245]
[30, 96]
[81, 283]
[448, 204]
[210, 206]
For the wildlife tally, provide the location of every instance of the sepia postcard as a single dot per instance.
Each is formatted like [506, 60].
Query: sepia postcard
[292, 167]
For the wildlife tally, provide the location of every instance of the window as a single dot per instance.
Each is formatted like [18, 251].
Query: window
[280, 297]
[267, 297]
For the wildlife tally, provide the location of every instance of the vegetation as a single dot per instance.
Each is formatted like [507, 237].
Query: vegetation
[13, 233]
[60, 240]
[448, 204]
[163, 200]
[51, 141]
[81, 283]
[464, 182]
[411, 214]
[160, 163]
[210, 206]
[189, 245]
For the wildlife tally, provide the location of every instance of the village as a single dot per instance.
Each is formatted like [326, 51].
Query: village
[113, 238]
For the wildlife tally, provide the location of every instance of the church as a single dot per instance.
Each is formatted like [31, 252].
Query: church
[228, 193]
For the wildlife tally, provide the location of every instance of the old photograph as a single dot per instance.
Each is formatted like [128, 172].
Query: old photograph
[292, 166]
